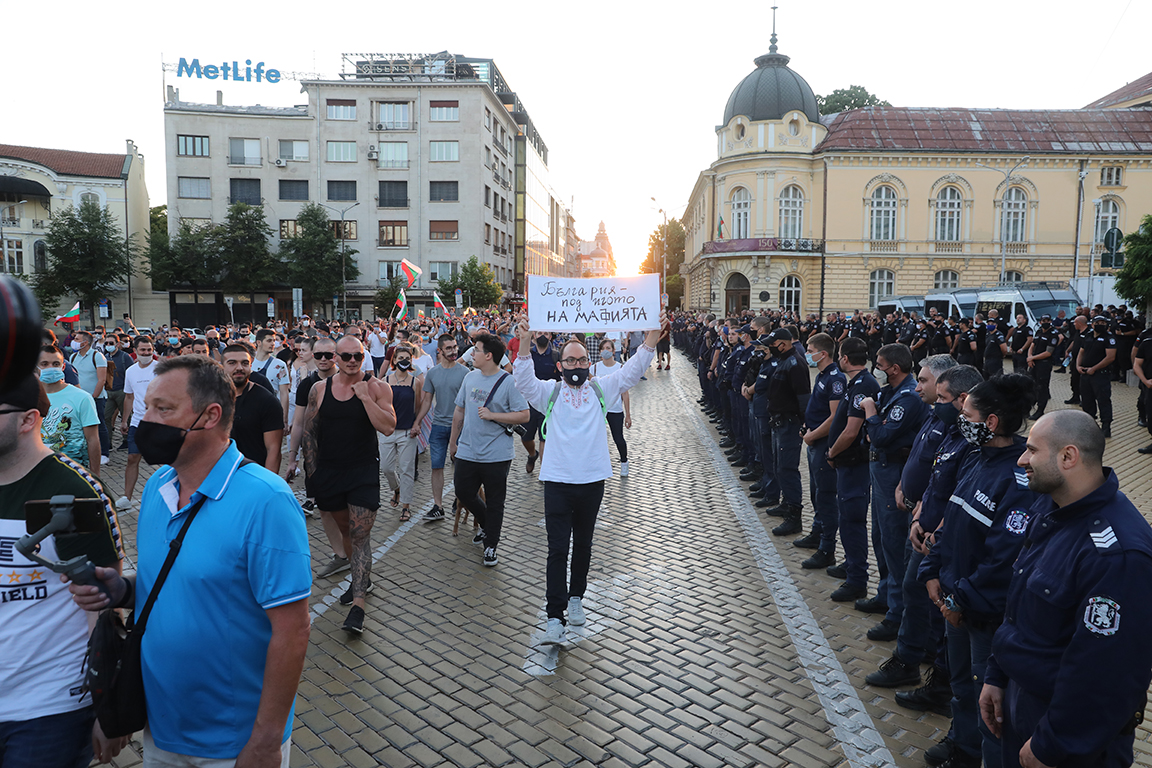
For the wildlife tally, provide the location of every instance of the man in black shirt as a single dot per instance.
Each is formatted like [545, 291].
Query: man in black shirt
[965, 348]
[995, 347]
[1142, 367]
[1041, 354]
[258, 424]
[1019, 340]
[788, 390]
[1094, 361]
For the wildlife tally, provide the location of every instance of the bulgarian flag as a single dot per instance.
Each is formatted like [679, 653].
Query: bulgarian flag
[720, 229]
[437, 303]
[419, 313]
[411, 271]
[402, 302]
[71, 316]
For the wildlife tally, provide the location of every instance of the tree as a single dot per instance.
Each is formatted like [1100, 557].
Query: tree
[247, 259]
[190, 259]
[847, 99]
[87, 257]
[476, 280]
[313, 256]
[653, 262]
[385, 300]
[1134, 279]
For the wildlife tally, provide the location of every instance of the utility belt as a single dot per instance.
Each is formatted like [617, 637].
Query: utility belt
[899, 456]
[781, 420]
[853, 457]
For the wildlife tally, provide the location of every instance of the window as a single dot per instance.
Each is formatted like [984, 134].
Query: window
[245, 191]
[393, 116]
[390, 270]
[86, 197]
[488, 233]
[288, 229]
[791, 212]
[341, 109]
[291, 149]
[790, 293]
[949, 204]
[394, 234]
[14, 257]
[741, 209]
[244, 151]
[444, 111]
[1111, 176]
[393, 194]
[192, 146]
[487, 118]
[347, 227]
[443, 151]
[946, 280]
[883, 215]
[341, 151]
[881, 282]
[341, 190]
[444, 191]
[1015, 211]
[487, 196]
[443, 230]
[293, 189]
[441, 270]
[1012, 276]
[40, 256]
[189, 186]
[1107, 217]
[393, 154]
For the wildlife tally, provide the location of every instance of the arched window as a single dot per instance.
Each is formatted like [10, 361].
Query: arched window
[790, 293]
[1107, 216]
[40, 256]
[946, 280]
[949, 205]
[791, 212]
[89, 197]
[1012, 276]
[1015, 216]
[883, 214]
[741, 211]
[881, 283]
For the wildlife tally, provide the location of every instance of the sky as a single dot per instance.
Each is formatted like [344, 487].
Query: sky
[627, 95]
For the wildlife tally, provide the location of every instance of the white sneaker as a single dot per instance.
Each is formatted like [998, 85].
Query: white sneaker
[123, 503]
[576, 611]
[623, 469]
[554, 635]
[104, 460]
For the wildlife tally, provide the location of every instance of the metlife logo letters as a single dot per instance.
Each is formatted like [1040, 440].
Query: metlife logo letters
[228, 71]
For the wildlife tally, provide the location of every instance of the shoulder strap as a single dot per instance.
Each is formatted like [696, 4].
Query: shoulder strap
[141, 623]
[548, 410]
[492, 392]
[600, 395]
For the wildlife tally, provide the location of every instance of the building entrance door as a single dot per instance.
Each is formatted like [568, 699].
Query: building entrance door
[737, 294]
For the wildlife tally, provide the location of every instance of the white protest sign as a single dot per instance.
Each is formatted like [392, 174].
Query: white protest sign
[574, 305]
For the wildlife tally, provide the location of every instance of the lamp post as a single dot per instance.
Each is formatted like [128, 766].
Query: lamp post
[1004, 211]
[343, 255]
[3, 242]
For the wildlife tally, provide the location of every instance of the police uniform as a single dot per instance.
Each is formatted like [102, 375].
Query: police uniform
[890, 331]
[1096, 388]
[788, 393]
[768, 484]
[1144, 355]
[965, 354]
[993, 355]
[1073, 654]
[827, 392]
[1020, 336]
[920, 341]
[852, 479]
[1125, 341]
[737, 362]
[1046, 339]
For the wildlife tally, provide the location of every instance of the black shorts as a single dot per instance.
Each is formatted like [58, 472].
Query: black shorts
[535, 419]
[366, 496]
[662, 347]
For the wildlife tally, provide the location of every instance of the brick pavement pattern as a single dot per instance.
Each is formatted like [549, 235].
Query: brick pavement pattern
[706, 643]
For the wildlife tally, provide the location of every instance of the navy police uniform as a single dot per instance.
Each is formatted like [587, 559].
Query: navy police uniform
[827, 392]
[993, 355]
[1020, 336]
[852, 478]
[788, 393]
[1046, 340]
[1096, 388]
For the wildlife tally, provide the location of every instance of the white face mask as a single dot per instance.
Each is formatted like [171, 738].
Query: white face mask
[305, 323]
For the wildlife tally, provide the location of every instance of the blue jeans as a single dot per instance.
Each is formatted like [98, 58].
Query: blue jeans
[768, 480]
[917, 632]
[438, 440]
[852, 502]
[822, 489]
[889, 534]
[105, 438]
[786, 444]
[968, 652]
[52, 741]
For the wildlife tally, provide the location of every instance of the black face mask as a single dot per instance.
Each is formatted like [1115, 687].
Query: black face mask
[777, 352]
[404, 364]
[161, 443]
[576, 376]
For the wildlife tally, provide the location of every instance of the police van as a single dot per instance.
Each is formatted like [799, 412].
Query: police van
[958, 303]
[1031, 299]
[898, 304]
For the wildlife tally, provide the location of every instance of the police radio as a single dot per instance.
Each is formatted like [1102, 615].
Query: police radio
[63, 515]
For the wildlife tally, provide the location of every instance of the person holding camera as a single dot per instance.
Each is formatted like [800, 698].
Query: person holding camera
[481, 442]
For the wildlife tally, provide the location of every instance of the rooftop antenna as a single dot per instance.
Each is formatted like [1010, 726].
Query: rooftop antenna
[772, 48]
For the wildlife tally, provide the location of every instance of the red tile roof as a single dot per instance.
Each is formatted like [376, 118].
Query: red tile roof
[1133, 90]
[67, 162]
[991, 130]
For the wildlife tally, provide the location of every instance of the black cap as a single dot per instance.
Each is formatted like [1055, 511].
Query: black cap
[322, 326]
[780, 334]
[746, 329]
[1045, 317]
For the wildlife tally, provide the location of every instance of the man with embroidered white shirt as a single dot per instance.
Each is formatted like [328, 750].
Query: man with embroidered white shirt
[576, 465]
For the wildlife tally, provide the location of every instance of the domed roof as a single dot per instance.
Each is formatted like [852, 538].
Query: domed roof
[771, 91]
[598, 253]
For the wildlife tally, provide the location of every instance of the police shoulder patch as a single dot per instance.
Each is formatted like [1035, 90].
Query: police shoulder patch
[838, 388]
[896, 414]
[1017, 522]
[857, 400]
[1102, 616]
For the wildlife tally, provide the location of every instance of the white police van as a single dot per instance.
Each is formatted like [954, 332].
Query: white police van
[958, 303]
[1031, 299]
[899, 304]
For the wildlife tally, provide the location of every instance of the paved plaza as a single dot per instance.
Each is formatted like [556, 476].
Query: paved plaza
[706, 643]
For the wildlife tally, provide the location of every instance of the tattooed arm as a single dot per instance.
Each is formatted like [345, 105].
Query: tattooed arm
[312, 427]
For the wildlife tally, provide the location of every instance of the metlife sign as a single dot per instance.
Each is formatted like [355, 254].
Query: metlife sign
[227, 71]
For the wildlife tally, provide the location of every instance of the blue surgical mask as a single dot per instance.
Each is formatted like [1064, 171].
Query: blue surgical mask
[946, 413]
[51, 375]
[173, 340]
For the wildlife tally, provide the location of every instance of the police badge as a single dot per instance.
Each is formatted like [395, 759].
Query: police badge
[896, 414]
[1016, 522]
[1102, 616]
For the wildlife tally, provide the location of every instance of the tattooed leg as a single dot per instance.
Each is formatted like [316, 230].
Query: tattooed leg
[360, 521]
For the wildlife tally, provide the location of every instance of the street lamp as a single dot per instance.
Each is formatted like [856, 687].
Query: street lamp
[3, 242]
[1004, 211]
[343, 255]
[664, 253]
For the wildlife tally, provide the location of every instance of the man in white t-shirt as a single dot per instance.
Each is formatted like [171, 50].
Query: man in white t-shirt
[377, 345]
[468, 357]
[272, 367]
[136, 381]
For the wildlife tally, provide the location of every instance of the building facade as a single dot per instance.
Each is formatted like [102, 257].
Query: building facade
[35, 183]
[596, 256]
[424, 158]
[833, 213]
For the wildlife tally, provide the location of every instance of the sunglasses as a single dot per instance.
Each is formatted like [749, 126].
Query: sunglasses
[350, 356]
[323, 355]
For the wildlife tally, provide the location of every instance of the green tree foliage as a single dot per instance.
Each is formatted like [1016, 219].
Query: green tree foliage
[87, 257]
[385, 300]
[249, 265]
[313, 257]
[1134, 279]
[847, 99]
[158, 242]
[478, 283]
[653, 262]
[190, 259]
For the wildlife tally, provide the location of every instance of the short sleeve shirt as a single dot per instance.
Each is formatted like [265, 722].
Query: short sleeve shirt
[90, 369]
[486, 441]
[444, 384]
[257, 411]
[70, 410]
[827, 392]
[136, 381]
[864, 385]
[275, 370]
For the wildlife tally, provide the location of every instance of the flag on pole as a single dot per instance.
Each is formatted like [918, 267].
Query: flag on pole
[437, 303]
[419, 313]
[71, 316]
[411, 271]
[720, 229]
[402, 303]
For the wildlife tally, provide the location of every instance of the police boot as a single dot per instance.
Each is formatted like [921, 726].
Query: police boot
[752, 472]
[811, 541]
[1107, 427]
[791, 522]
[778, 510]
[727, 443]
[934, 696]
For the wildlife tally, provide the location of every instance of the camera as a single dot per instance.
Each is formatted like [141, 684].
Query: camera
[519, 429]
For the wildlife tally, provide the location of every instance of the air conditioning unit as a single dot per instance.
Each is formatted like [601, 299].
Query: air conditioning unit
[281, 162]
[373, 154]
[379, 126]
[371, 147]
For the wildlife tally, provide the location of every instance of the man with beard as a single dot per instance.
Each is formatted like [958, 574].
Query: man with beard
[442, 383]
[258, 423]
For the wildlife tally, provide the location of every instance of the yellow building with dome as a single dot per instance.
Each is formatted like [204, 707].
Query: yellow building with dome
[832, 213]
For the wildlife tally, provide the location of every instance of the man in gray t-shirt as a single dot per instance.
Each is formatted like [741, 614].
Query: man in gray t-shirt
[487, 406]
[441, 383]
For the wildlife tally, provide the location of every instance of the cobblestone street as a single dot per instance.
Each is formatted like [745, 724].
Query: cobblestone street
[706, 643]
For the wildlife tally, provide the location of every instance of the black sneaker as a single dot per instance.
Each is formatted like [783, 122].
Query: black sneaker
[354, 624]
[941, 753]
[490, 558]
[767, 503]
[837, 571]
[872, 605]
[1072, 401]
[755, 487]
[434, 514]
[346, 598]
[1145, 450]
[777, 511]
[819, 559]
[894, 673]
[308, 505]
[934, 696]
[478, 537]
[811, 541]
[740, 461]
[961, 759]
[531, 465]
[790, 526]
[885, 631]
[848, 592]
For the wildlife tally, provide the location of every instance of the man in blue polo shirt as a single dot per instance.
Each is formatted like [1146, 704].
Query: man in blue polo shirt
[228, 632]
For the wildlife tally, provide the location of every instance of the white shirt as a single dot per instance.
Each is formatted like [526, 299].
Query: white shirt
[276, 370]
[423, 364]
[468, 357]
[599, 371]
[376, 346]
[136, 381]
[577, 441]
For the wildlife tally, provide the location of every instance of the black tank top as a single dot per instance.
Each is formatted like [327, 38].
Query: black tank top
[346, 435]
[404, 403]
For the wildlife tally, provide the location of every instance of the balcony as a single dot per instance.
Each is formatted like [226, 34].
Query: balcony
[949, 246]
[1018, 248]
[882, 246]
[391, 125]
[496, 177]
[40, 223]
[393, 202]
[9, 222]
[391, 243]
[239, 160]
[392, 164]
[500, 147]
[764, 245]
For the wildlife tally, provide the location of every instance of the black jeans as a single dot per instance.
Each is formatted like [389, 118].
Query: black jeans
[570, 516]
[488, 512]
[616, 425]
